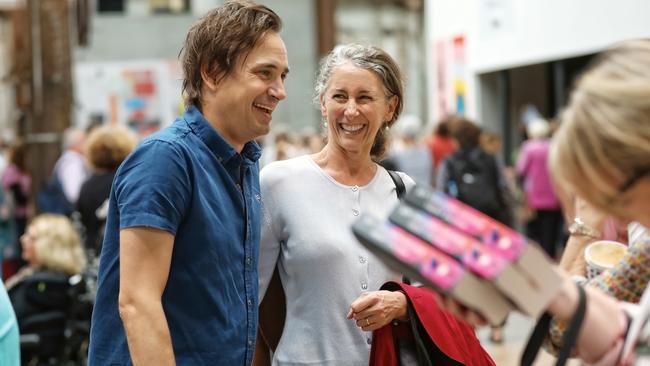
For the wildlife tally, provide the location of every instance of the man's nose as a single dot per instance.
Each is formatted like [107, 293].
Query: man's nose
[277, 90]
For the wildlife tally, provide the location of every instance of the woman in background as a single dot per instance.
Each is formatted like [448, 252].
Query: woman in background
[17, 181]
[106, 148]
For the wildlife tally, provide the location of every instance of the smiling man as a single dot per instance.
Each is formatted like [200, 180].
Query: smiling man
[178, 268]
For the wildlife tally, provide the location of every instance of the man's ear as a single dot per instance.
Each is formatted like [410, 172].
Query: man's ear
[209, 81]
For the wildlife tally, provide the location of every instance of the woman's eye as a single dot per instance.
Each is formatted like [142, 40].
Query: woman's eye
[339, 97]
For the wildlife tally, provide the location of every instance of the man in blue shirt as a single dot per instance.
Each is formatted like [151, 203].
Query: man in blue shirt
[178, 268]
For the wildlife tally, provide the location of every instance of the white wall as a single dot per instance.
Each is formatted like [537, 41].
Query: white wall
[502, 34]
[543, 30]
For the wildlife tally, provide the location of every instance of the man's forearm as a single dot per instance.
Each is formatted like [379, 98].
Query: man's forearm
[147, 334]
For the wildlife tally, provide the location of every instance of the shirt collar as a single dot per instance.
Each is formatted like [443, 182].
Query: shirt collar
[215, 142]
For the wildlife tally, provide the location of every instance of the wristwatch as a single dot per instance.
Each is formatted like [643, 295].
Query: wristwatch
[579, 228]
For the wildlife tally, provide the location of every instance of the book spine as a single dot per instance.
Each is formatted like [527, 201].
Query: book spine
[506, 242]
[478, 258]
[422, 261]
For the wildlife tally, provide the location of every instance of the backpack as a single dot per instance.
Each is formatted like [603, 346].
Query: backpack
[52, 199]
[473, 179]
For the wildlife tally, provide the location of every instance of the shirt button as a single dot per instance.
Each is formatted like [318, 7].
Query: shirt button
[355, 212]
[369, 341]
[362, 259]
[355, 188]
[248, 261]
[250, 343]
[238, 186]
[364, 286]
[249, 303]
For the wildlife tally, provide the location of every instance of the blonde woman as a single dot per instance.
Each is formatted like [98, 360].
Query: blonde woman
[601, 153]
[52, 250]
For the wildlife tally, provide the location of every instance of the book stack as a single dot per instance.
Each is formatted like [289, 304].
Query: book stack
[463, 253]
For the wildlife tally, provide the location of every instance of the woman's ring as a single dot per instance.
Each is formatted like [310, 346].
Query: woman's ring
[367, 322]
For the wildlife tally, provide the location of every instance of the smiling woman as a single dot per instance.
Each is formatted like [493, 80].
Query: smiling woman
[309, 204]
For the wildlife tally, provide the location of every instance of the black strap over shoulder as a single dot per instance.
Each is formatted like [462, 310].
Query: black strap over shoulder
[569, 339]
[400, 189]
[399, 183]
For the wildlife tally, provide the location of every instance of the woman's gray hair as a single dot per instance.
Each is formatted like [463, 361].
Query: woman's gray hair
[372, 59]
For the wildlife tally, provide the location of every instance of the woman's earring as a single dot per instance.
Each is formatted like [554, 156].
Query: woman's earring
[325, 124]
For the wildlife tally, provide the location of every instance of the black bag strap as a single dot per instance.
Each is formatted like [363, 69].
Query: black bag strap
[421, 348]
[400, 189]
[569, 339]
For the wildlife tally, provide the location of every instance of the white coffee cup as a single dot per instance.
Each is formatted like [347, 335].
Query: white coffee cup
[603, 254]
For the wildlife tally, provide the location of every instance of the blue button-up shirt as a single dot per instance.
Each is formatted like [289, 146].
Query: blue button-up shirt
[188, 181]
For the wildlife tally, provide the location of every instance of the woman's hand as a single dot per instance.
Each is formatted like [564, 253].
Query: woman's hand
[372, 310]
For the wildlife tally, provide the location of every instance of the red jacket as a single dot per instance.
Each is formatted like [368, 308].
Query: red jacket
[454, 338]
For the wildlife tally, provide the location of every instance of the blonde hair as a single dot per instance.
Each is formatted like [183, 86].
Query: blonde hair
[57, 245]
[604, 137]
[108, 146]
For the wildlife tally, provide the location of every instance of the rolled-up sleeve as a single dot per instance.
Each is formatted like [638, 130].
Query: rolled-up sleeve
[153, 187]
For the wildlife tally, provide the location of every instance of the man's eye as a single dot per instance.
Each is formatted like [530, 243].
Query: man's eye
[265, 73]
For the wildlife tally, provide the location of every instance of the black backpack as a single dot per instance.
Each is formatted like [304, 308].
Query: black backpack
[473, 178]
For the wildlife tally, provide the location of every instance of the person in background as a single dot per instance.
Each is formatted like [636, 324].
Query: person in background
[490, 142]
[106, 148]
[50, 244]
[473, 176]
[39, 292]
[17, 182]
[441, 143]
[178, 268]
[545, 226]
[310, 202]
[413, 157]
[70, 169]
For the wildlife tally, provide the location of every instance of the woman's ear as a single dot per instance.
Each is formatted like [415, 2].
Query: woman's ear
[392, 105]
[323, 108]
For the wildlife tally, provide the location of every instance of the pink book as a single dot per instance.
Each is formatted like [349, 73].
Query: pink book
[430, 266]
[529, 278]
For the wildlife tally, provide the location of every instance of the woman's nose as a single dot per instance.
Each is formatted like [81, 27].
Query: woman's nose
[351, 108]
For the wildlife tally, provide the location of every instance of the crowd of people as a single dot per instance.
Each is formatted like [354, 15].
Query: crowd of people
[218, 262]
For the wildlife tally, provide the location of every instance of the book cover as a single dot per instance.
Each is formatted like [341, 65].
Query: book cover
[430, 266]
[531, 280]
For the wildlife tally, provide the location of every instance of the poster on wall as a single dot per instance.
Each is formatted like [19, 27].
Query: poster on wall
[143, 95]
[451, 75]
[460, 85]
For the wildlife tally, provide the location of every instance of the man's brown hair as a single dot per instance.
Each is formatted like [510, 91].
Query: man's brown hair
[217, 41]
